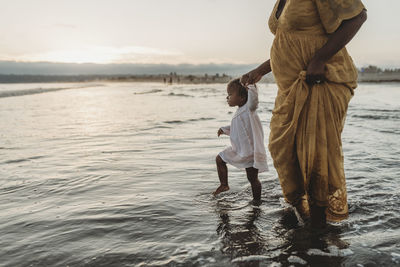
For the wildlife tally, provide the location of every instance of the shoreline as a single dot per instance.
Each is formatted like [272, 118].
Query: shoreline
[172, 78]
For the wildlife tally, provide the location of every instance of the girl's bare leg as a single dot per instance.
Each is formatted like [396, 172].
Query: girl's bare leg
[222, 175]
[252, 176]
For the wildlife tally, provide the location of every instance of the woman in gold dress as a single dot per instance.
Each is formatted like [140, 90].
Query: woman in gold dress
[316, 78]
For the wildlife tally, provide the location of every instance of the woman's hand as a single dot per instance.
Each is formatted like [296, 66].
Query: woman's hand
[220, 131]
[251, 77]
[336, 41]
[255, 75]
[315, 72]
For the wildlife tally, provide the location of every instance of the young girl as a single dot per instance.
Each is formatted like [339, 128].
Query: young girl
[247, 139]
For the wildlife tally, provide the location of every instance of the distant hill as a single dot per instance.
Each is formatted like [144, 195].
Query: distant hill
[48, 68]
[37, 72]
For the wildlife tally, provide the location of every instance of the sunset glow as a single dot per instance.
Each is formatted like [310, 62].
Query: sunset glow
[100, 55]
[171, 32]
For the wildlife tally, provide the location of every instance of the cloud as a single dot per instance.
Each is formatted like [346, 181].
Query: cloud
[102, 55]
[62, 25]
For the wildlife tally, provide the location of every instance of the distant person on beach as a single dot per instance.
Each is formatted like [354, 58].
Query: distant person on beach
[316, 78]
[247, 150]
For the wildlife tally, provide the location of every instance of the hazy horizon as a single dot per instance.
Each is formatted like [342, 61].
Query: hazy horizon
[51, 68]
[169, 32]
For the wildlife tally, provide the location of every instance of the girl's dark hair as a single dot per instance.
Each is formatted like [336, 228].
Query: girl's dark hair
[240, 89]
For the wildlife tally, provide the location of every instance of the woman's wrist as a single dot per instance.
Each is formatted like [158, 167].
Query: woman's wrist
[264, 68]
[256, 74]
[320, 57]
[260, 71]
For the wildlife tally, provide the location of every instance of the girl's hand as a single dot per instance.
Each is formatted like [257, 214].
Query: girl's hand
[220, 132]
[315, 72]
[251, 77]
[255, 75]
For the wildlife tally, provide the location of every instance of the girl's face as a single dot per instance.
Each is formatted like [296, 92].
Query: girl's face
[233, 97]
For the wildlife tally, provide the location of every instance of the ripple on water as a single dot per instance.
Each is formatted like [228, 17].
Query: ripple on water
[122, 175]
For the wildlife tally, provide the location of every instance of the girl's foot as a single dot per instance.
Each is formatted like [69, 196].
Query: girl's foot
[220, 189]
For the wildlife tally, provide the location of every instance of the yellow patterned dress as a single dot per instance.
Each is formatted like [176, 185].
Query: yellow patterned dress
[307, 122]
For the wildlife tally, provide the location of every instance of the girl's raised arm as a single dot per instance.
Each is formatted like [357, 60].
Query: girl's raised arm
[252, 98]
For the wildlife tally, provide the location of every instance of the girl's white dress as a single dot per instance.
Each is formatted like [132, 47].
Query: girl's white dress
[247, 136]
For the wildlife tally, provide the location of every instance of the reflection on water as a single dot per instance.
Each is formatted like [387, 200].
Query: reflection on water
[240, 238]
[122, 175]
[287, 243]
[322, 247]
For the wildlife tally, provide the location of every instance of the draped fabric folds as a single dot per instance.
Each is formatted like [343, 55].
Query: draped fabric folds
[305, 144]
[307, 121]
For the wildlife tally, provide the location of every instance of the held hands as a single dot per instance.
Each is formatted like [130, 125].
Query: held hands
[315, 72]
[255, 75]
[251, 77]
[220, 132]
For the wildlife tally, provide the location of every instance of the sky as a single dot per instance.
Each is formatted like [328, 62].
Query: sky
[169, 31]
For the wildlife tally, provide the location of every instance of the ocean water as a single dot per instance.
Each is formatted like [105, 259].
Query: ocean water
[121, 174]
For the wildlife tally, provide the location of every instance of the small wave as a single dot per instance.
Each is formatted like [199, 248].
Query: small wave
[296, 259]
[207, 90]
[34, 91]
[376, 117]
[181, 95]
[251, 258]
[333, 252]
[381, 110]
[202, 119]
[396, 256]
[190, 120]
[122, 151]
[155, 127]
[174, 122]
[11, 189]
[21, 160]
[149, 92]
[394, 131]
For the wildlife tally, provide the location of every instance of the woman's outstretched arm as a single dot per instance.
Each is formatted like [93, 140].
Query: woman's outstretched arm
[336, 41]
[255, 75]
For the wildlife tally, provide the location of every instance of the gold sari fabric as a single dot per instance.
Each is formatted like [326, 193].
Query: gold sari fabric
[307, 122]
